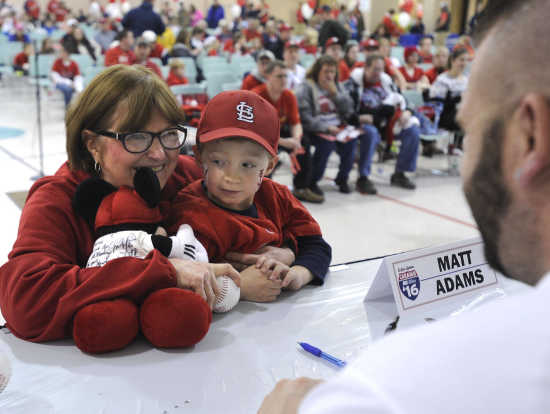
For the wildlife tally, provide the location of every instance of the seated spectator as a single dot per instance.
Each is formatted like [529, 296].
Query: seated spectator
[21, 60]
[448, 89]
[122, 53]
[106, 35]
[47, 46]
[274, 90]
[333, 48]
[347, 63]
[141, 52]
[225, 33]
[375, 105]
[440, 61]
[271, 40]
[211, 46]
[168, 38]
[176, 76]
[296, 72]
[253, 30]
[257, 76]
[19, 34]
[324, 107]
[75, 42]
[425, 49]
[285, 35]
[66, 76]
[309, 43]
[414, 76]
[198, 35]
[196, 15]
[181, 48]
[384, 48]
[49, 24]
[418, 27]
[465, 42]
[157, 51]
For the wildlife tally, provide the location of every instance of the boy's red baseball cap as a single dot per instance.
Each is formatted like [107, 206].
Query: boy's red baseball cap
[240, 114]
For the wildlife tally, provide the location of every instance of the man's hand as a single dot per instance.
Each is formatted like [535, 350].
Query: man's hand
[287, 396]
[333, 130]
[297, 277]
[256, 287]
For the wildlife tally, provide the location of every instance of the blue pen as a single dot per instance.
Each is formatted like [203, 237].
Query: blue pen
[318, 353]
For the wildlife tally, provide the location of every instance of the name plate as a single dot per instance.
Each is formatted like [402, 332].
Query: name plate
[435, 276]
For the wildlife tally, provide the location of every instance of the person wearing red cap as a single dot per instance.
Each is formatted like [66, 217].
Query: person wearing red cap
[236, 208]
[333, 48]
[411, 72]
[296, 72]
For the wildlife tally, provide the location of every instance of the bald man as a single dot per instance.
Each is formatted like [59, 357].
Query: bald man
[494, 360]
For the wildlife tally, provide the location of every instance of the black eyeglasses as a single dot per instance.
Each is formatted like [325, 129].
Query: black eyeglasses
[140, 141]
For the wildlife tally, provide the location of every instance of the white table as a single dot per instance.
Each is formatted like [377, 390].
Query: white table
[243, 355]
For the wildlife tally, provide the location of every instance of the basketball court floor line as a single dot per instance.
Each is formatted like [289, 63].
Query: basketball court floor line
[427, 211]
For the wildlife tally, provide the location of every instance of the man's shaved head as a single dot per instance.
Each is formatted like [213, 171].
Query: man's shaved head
[516, 61]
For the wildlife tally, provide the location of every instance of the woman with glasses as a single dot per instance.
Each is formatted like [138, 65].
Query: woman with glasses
[125, 119]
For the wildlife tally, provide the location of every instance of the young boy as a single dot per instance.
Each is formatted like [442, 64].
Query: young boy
[235, 208]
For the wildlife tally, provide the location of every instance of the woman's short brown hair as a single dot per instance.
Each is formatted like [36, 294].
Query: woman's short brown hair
[137, 87]
[313, 72]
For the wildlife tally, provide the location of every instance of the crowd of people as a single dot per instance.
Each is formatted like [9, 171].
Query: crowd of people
[346, 98]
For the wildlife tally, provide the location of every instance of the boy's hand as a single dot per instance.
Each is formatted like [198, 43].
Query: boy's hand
[256, 287]
[297, 277]
[274, 269]
[242, 260]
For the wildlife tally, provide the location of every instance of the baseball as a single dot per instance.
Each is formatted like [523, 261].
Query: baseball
[229, 295]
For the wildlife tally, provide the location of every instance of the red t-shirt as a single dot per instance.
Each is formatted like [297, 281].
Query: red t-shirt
[388, 67]
[116, 55]
[69, 70]
[250, 82]
[32, 8]
[174, 79]
[281, 219]
[344, 71]
[286, 105]
[309, 49]
[153, 66]
[20, 59]
[414, 77]
[425, 58]
[251, 34]
[156, 51]
[433, 73]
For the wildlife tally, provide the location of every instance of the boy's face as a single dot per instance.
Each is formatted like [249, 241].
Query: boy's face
[233, 171]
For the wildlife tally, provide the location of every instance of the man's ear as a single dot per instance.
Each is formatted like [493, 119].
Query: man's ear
[533, 120]
[271, 165]
[91, 143]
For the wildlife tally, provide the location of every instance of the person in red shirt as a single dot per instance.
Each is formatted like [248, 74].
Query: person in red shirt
[48, 259]
[348, 62]
[21, 60]
[274, 91]
[257, 76]
[121, 54]
[411, 72]
[236, 208]
[66, 76]
[252, 31]
[157, 51]
[440, 60]
[176, 76]
[32, 8]
[384, 48]
[143, 48]
[58, 9]
[425, 49]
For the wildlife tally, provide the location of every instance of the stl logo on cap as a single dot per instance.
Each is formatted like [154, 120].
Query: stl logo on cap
[245, 112]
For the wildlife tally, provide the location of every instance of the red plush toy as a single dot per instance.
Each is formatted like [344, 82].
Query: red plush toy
[125, 221]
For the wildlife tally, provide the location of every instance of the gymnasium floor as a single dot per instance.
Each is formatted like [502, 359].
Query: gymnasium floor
[357, 226]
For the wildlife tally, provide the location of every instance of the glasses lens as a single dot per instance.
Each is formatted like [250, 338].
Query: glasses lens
[172, 138]
[138, 142]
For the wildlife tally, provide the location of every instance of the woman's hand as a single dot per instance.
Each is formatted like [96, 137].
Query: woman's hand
[201, 277]
[256, 287]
